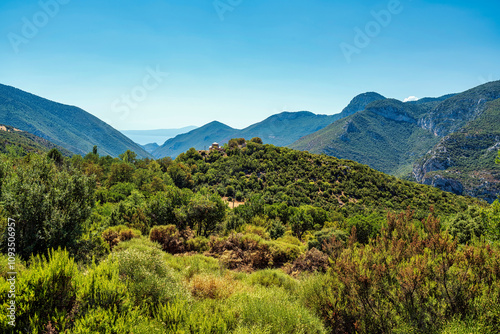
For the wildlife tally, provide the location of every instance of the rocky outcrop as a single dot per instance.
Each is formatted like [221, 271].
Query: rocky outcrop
[392, 109]
[455, 112]
[437, 159]
[445, 184]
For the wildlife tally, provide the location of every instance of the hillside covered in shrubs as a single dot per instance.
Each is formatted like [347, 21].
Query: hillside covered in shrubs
[251, 238]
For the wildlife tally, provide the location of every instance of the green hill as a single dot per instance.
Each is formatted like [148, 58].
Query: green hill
[67, 126]
[282, 175]
[12, 138]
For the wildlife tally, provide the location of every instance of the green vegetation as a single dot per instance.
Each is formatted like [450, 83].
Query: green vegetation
[16, 142]
[316, 245]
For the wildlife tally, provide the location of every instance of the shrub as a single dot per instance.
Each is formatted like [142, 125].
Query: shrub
[213, 287]
[172, 240]
[277, 229]
[249, 252]
[116, 234]
[142, 268]
[45, 292]
[272, 278]
[265, 309]
[324, 236]
[101, 320]
[192, 265]
[49, 205]
[101, 288]
[312, 261]
[414, 278]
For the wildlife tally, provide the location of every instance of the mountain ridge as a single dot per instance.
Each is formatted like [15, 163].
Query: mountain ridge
[67, 126]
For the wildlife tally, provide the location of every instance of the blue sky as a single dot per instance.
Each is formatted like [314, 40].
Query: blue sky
[240, 61]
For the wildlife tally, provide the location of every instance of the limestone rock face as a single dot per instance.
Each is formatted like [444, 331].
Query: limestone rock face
[445, 184]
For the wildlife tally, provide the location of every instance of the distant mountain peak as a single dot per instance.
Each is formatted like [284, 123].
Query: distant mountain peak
[360, 102]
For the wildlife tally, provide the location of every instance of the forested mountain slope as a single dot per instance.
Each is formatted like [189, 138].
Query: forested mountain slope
[67, 126]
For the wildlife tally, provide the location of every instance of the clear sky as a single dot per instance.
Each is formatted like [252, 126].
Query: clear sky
[240, 61]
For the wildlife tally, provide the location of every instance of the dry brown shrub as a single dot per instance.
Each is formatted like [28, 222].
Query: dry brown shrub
[114, 235]
[242, 252]
[171, 239]
[313, 260]
[209, 286]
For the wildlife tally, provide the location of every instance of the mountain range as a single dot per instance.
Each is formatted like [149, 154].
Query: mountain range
[449, 142]
[70, 127]
[280, 130]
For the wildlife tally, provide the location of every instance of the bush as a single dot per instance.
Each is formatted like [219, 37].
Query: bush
[49, 205]
[45, 292]
[213, 287]
[101, 288]
[142, 268]
[277, 229]
[172, 240]
[322, 238]
[101, 320]
[272, 278]
[312, 261]
[265, 309]
[116, 234]
[249, 252]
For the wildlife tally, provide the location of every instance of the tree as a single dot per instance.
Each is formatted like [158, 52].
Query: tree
[120, 172]
[498, 158]
[49, 206]
[94, 150]
[256, 140]
[203, 213]
[129, 157]
[301, 221]
[55, 155]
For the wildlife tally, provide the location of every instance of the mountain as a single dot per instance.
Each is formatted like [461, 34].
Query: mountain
[143, 137]
[280, 130]
[67, 126]
[11, 137]
[392, 136]
[150, 147]
[285, 128]
[359, 103]
[455, 112]
[463, 162]
[200, 138]
[385, 136]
